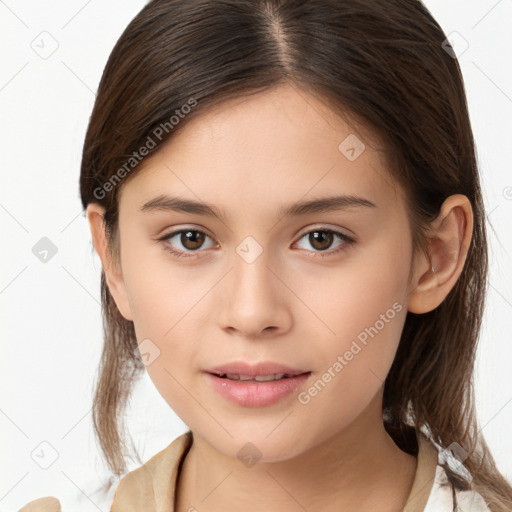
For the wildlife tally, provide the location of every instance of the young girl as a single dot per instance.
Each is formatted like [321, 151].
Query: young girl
[286, 202]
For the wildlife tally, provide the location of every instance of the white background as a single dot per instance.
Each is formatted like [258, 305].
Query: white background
[50, 312]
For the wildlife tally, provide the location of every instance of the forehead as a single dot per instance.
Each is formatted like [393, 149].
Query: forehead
[266, 150]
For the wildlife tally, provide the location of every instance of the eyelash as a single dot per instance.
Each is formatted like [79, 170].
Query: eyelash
[347, 241]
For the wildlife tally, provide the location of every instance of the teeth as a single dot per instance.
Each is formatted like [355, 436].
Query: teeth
[269, 377]
[259, 378]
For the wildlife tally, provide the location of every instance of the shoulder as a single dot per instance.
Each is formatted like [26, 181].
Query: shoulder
[152, 485]
[442, 483]
[46, 504]
[446, 496]
[470, 501]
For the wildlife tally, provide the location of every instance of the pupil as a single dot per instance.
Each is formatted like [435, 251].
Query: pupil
[192, 239]
[324, 237]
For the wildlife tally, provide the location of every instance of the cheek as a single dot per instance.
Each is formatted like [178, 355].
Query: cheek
[352, 364]
[360, 311]
[160, 292]
[170, 302]
[344, 300]
[362, 334]
[168, 310]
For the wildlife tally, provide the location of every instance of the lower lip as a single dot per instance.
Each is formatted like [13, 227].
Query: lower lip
[250, 393]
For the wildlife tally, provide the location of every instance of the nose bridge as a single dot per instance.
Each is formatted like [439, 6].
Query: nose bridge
[252, 302]
[251, 275]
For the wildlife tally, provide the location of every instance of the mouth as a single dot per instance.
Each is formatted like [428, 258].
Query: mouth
[258, 385]
[260, 371]
[257, 378]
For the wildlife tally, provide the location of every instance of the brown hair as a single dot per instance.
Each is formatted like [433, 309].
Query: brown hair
[384, 63]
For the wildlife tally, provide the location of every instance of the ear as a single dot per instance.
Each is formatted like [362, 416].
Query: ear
[111, 266]
[435, 274]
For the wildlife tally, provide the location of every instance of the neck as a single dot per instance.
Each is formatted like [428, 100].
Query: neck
[359, 468]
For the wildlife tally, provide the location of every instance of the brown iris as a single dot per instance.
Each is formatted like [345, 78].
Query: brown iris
[192, 239]
[324, 238]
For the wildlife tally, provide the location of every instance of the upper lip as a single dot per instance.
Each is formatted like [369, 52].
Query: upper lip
[253, 370]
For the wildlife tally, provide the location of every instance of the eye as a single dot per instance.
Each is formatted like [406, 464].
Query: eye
[190, 239]
[321, 239]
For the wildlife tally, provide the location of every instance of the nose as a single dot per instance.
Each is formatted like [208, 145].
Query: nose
[254, 301]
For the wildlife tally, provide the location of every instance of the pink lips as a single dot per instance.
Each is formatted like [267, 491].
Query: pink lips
[252, 393]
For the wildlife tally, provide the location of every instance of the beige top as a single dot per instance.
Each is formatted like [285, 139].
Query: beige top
[152, 486]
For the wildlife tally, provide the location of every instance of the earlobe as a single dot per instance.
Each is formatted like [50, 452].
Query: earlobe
[111, 267]
[449, 239]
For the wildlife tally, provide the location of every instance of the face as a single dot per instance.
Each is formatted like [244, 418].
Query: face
[321, 290]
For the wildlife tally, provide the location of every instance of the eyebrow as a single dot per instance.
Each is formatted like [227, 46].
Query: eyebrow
[321, 205]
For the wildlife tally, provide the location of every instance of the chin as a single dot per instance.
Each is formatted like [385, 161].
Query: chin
[253, 443]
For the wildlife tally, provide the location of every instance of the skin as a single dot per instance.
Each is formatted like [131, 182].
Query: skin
[249, 157]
